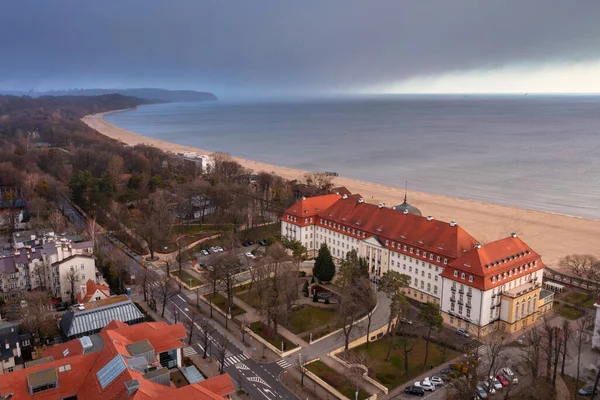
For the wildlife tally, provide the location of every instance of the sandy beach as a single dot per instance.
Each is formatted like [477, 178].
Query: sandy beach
[551, 235]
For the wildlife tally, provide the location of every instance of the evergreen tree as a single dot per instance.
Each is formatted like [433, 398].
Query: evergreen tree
[324, 268]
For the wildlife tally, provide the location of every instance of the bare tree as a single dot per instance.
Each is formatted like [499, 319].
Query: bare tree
[165, 292]
[57, 221]
[353, 305]
[37, 316]
[205, 330]
[90, 231]
[71, 280]
[301, 368]
[566, 331]
[221, 347]
[228, 265]
[532, 355]
[581, 325]
[40, 274]
[146, 280]
[357, 367]
[495, 347]
[193, 317]
[158, 220]
[583, 265]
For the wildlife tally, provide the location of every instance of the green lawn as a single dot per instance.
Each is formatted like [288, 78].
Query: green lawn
[391, 373]
[186, 278]
[307, 318]
[336, 380]
[567, 311]
[580, 298]
[250, 297]
[572, 385]
[261, 330]
[220, 301]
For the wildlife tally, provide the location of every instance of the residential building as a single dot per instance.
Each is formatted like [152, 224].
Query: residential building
[478, 286]
[93, 291]
[88, 318]
[596, 337]
[16, 347]
[119, 362]
[13, 209]
[57, 264]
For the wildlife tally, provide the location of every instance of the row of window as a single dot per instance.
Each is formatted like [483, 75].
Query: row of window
[463, 275]
[514, 271]
[460, 309]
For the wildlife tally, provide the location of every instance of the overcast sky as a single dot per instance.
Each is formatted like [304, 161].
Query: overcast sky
[303, 47]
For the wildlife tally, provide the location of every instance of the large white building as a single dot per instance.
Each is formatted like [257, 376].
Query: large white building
[478, 286]
[52, 265]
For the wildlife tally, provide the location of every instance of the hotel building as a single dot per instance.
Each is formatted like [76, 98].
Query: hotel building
[479, 287]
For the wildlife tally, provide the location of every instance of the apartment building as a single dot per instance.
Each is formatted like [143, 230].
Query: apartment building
[478, 286]
[49, 264]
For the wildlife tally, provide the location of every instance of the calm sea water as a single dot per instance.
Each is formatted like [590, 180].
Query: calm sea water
[528, 151]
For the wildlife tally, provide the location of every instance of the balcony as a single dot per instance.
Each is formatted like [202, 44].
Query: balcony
[453, 289]
[461, 291]
[452, 298]
[468, 305]
[460, 302]
[469, 294]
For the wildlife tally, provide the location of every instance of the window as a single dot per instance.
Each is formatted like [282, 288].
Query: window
[405, 247]
[445, 261]
[438, 258]
[411, 249]
[422, 284]
[451, 320]
[452, 306]
[418, 251]
[424, 254]
[468, 313]
[460, 308]
[463, 275]
[82, 267]
[83, 277]
[423, 273]
[416, 282]
[436, 278]
[409, 269]
[493, 279]
[455, 273]
[470, 278]
[429, 276]
[429, 287]
[435, 289]
[431, 257]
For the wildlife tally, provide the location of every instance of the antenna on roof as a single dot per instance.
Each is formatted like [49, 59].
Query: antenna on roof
[405, 188]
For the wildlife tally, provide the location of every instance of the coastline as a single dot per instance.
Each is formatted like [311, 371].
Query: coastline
[550, 234]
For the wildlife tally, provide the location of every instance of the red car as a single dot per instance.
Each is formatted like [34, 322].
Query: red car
[502, 379]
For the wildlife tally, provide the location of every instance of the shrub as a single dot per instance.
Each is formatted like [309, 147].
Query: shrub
[315, 298]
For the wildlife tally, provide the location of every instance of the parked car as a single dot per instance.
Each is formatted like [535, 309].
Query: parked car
[510, 375]
[502, 379]
[425, 385]
[205, 252]
[203, 265]
[586, 391]
[496, 383]
[444, 378]
[462, 333]
[263, 242]
[488, 387]
[250, 255]
[446, 371]
[436, 380]
[406, 321]
[480, 392]
[415, 390]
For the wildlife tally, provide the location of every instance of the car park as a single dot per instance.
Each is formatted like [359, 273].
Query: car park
[414, 390]
[586, 391]
[488, 387]
[502, 379]
[443, 377]
[436, 380]
[446, 371]
[462, 333]
[205, 252]
[480, 393]
[425, 385]
[497, 385]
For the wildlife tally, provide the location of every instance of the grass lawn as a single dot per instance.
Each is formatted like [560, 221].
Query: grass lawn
[306, 318]
[567, 311]
[260, 232]
[220, 301]
[336, 380]
[250, 297]
[261, 330]
[583, 299]
[572, 385]
[130, 242]
[391, 373]
[241, 288]
[186, 278]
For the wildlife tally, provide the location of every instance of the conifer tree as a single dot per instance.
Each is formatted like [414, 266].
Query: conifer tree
[324, 268]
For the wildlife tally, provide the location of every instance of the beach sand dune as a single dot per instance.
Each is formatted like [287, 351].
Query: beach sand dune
[551, 235]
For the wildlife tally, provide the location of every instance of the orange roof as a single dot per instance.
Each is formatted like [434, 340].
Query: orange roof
[220, 385]
[435, 236]
[493, 260]
[309, 207]
[90, 289]
[81, 378]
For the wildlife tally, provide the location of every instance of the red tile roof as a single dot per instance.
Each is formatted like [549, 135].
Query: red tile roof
[434, 236]
[309, 207]
[81, 378]
[90, 289]
[493, 259]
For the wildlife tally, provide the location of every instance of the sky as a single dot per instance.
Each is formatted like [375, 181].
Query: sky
[310, 47]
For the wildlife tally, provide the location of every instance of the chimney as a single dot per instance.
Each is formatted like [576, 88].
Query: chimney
[360, 201]
[514, 235]
[429, 218]
[345, 196]
[452, 223]
[477, 245]
[380, 205]
[405, 211]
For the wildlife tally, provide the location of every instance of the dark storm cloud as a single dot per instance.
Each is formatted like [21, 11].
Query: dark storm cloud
[335, 45]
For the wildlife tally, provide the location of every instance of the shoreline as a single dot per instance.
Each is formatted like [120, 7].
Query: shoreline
[552, 235]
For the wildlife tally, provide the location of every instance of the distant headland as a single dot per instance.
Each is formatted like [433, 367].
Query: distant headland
[150, 94]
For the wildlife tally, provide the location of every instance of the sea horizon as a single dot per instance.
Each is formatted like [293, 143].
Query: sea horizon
[534, 152]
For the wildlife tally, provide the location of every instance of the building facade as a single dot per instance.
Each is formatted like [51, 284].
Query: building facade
[56, 264]
[478, 286]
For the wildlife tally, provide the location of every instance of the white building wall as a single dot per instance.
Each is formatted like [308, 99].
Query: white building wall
[596, 337]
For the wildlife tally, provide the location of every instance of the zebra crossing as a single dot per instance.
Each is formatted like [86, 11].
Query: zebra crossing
[189, 351]
[236, 359]
[283, 363]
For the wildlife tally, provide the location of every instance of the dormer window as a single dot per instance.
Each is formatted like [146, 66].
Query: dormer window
[493, 279]
[463, 275]
[455, 273]
[445, 261]
[470, 278]
[418, 251]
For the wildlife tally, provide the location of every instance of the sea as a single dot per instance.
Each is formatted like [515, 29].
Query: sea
[536, 152]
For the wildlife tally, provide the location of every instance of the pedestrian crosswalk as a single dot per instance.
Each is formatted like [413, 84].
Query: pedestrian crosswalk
[283, 363]
[236, 359]
[189, 351]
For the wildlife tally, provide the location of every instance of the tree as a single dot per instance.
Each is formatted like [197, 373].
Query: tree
[432, 319]
[585, 266]
[532, 355]
[190, 323]
[566, 329]
[301, 368]
[71, 280]
[354, 302]
[399, 308]
[298, 251]
[221, 346]
[392, 284]
[324, 268]
[158, 219]
[37, 316]
[146, 280]
[205, 330]
[165, 292]
[582, 324]
[228, 265]
[57, 221]
[494, 348]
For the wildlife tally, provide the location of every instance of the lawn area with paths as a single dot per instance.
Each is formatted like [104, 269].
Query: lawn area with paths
[220, 301]
[261, 330]
[567, 312]
[391, 373]
[336, 380]
[579, 298]
[186, 277]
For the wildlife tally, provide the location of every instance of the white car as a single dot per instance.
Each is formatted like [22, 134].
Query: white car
[487, 387]
[435, 380]
[425, 385]
[510, 375]
[250, 255]
[496, 383]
